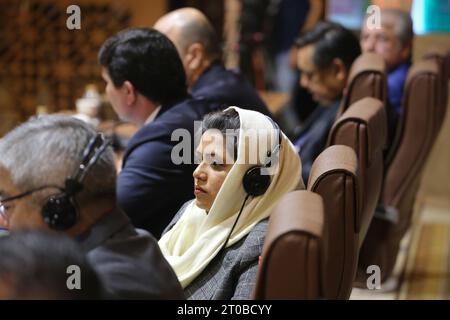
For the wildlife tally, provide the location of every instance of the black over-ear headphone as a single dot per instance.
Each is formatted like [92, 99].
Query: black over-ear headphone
[255, 181]
[60, 212]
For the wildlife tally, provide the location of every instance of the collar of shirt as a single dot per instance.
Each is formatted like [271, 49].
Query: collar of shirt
[153, 115]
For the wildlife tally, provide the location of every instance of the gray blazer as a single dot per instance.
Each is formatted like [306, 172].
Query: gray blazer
[129, 261]
[232, 273]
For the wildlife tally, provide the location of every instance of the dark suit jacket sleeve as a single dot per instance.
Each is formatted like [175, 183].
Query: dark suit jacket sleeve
[317, 140]
[148, 184]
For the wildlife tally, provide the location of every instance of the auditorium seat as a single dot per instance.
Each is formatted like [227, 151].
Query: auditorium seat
[367, 79]
[362, 127]
[293, 254]
[334, 176]
[442, 57]
[415, 139]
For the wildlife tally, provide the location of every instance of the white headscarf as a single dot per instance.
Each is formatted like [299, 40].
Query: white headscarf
[198, 236]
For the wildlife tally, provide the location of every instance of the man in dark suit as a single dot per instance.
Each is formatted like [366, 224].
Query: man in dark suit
[325, 55]
[146, 86]
[199, 49]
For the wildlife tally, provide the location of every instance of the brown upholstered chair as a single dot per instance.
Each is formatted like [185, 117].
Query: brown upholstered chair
[293, 255]
[367, 79]
[334, 176]
[415, 140]
[442, 57]
[363, 127]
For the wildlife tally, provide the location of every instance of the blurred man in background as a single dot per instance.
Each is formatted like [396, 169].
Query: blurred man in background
[394, 42]
[200, 52]
[325, 56]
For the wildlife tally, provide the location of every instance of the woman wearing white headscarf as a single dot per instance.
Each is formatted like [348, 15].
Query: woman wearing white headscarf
[214, 242]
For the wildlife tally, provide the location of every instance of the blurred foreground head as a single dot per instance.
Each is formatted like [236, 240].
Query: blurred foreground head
[45, 265]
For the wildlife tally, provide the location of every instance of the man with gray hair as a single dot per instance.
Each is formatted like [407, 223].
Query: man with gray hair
[199, 49]
[57, 173]
[393, 40]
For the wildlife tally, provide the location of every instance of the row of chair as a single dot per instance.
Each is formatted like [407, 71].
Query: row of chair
[360, 196]
[424, 105]
[309, 251]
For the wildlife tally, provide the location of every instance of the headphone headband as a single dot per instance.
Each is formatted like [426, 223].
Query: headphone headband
[60, 212]
[95, 148]
[256, 180]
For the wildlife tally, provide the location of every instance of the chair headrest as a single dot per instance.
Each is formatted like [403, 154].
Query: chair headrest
[420, 68]
[334, 175]
[333, 159]
[442, 56]
[371, 113]
[366, 62]
[367, 78]
[415, 135]
[292, 265]
[296, 211]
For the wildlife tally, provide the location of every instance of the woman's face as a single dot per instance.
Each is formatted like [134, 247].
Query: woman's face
[215, 163]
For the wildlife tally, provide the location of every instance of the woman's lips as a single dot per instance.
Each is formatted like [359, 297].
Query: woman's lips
[199, 190]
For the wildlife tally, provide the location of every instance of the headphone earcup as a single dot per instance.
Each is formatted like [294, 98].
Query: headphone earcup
[256, 183]
[59, 212]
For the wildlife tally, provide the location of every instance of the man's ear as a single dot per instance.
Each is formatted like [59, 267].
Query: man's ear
[194, 56]
[339, 69]
[130, 93]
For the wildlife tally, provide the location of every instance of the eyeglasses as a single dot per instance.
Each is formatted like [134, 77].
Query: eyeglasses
[3, 208]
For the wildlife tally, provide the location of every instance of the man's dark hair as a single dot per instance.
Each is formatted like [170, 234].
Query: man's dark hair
[149, 60]
[34, 265]
[331, 40]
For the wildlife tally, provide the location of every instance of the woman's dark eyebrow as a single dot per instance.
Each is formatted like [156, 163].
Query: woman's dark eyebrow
[218, 158]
